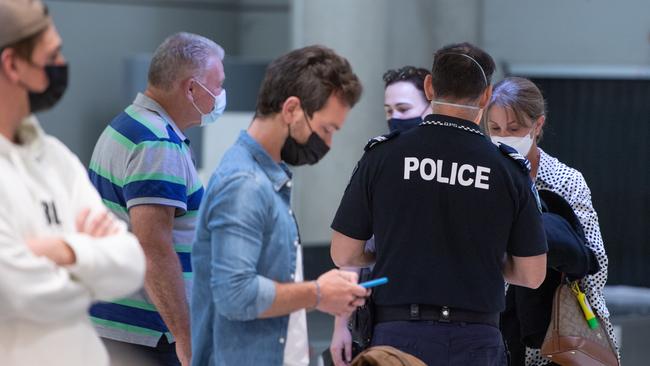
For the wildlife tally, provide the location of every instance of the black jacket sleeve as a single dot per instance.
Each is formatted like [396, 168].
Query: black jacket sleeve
[567, 251]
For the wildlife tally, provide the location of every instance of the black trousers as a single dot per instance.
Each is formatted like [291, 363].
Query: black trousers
[449, 344]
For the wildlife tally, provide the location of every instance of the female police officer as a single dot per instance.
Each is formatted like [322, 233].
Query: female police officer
[405, 104]
[404, 100]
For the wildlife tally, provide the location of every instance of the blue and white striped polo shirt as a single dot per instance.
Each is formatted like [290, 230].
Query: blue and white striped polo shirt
[143, 158]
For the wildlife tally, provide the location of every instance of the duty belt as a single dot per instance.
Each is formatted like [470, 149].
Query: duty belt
[443, 314]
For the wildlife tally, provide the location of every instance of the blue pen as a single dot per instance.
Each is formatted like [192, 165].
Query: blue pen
[373, 283]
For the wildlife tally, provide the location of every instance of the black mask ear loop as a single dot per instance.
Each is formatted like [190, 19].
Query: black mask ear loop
[308, 125]
[32, 64]
[307, 120]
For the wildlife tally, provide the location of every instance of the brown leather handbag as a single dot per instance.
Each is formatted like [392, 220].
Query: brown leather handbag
[569, 341]
[386, 356]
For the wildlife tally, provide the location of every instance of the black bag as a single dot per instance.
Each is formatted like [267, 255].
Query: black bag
[362, 320]
[327, 356]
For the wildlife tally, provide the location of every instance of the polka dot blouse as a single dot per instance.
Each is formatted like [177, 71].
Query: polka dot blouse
[569, 183]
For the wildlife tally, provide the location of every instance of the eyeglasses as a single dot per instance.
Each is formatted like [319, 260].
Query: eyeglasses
[405, 73]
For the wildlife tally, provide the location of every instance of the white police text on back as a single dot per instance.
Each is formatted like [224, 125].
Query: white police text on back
[463, 174]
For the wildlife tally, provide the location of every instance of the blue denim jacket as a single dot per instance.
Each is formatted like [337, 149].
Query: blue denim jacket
[246, 238]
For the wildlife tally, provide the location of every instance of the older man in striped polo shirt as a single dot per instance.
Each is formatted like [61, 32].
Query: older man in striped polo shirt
[143, 168]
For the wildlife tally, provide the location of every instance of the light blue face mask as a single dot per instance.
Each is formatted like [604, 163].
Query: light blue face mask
[217, 111]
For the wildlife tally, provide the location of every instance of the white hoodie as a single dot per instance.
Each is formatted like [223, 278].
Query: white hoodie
[44, 307]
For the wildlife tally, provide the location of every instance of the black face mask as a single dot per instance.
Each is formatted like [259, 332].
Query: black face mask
[311, 152]
[401, 125]
[58, 77]
[295, 153]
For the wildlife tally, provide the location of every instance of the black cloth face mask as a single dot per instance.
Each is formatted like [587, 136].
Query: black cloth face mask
[58, 82]
[401, 125]
[295, 153]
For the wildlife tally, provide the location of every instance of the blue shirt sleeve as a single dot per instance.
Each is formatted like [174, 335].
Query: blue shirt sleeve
[236, 218]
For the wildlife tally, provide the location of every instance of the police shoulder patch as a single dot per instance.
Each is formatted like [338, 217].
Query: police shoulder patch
[379, 139]
[511, 153]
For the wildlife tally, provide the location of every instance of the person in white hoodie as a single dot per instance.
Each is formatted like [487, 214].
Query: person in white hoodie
[60, 249]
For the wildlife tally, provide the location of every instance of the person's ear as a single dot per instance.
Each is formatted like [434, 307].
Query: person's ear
[8, 64]
[428, 88]
[291, 110]
[485, 97]
[539, 124]
[187, 86]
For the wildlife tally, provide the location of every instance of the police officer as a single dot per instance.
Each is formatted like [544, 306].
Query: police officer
[453, 217]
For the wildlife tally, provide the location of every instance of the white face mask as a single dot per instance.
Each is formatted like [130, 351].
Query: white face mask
[217, 111]
[521, 144]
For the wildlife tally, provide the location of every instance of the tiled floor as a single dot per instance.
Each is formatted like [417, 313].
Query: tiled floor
[633, 333]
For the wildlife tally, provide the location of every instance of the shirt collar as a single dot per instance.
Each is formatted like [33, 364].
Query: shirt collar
[545, 168]
[454, 122]
[278, 173]
[144, 101]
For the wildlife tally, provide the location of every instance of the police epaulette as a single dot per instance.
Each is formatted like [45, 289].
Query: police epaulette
[514, 155]
[379, 139]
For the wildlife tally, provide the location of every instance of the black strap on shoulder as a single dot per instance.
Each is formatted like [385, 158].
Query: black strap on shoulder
[379, 139]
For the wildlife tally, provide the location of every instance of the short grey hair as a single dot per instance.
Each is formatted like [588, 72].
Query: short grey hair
[179, 56]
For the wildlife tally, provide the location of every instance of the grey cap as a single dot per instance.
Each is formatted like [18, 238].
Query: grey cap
[20, 19]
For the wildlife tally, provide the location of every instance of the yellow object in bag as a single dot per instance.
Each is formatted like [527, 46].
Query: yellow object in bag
[584, 304]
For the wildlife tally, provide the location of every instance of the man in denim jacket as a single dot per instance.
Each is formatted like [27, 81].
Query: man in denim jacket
[249, 298]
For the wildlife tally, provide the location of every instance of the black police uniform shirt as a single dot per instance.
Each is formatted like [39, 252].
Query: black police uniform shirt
[445, 206]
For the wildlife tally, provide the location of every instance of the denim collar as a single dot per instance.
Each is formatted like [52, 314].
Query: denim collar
[278, 173]
[143, 101]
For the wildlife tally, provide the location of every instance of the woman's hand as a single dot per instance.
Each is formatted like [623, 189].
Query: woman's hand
[341, 346]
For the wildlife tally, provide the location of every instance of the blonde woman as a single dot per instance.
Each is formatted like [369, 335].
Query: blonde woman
[516, 116]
